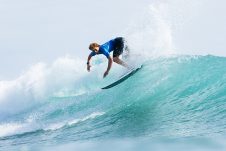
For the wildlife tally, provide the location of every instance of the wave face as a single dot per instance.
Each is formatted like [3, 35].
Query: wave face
[170, 97]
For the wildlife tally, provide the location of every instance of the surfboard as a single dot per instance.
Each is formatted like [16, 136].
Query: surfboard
[123, 78]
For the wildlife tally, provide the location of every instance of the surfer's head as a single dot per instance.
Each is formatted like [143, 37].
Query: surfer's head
[94, 47]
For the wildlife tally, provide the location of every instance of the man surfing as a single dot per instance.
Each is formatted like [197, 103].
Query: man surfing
[116, 45]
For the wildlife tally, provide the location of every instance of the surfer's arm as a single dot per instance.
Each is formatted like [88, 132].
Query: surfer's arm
[109, 66]
[88, 62]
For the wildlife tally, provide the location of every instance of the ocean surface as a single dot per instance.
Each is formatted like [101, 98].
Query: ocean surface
[172, 103]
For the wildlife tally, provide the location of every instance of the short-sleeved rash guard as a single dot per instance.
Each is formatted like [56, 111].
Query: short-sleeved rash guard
[105, 49]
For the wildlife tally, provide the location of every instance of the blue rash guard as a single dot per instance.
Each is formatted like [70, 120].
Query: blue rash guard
[105, 49]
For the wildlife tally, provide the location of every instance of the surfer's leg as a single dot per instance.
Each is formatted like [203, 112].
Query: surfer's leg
[118, 50]
[120, 62]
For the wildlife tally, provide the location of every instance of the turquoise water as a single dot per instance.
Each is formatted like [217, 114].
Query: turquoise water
[170, 100]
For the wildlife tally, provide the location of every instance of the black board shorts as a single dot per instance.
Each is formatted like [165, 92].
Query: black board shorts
[118, 46]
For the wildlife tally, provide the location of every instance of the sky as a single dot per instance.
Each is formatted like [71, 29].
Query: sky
[41, 31]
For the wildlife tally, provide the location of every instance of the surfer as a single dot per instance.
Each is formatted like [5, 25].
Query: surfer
[116, 45]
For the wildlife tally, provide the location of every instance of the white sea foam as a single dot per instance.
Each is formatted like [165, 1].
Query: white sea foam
[40, 82]
[91, 116]
[8, 129]
[31, 125]
[59, 125]
[151, 33]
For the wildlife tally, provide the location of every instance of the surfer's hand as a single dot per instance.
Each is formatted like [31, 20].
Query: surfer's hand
[88, 67]
[105, 73]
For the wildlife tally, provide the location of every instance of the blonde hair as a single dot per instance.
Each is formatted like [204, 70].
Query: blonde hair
[93, 45]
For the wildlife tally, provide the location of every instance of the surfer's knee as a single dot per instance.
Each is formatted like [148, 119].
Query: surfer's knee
[115, 59]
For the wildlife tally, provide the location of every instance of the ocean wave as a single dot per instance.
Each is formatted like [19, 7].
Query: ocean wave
[177, 96]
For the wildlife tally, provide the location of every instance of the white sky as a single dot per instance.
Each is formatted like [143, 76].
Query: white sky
[34, 31]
